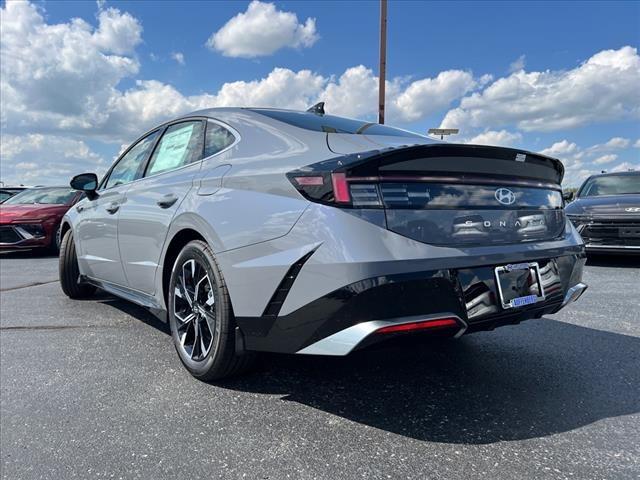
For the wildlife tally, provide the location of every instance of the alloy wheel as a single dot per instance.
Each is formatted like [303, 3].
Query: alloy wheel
[194, 310]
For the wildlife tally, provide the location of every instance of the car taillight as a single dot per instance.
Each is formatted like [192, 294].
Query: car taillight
[338, 188]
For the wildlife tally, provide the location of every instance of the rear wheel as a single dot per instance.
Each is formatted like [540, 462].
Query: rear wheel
[201, 318]
[69, 271]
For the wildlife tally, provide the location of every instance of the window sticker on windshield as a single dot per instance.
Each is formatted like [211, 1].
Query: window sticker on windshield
[172, 149]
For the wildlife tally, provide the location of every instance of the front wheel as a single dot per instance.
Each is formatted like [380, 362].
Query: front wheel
[69, 271]
[56, 241]
[201, 318]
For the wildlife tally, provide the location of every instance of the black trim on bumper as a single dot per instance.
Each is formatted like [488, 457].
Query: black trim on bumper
[469, 293]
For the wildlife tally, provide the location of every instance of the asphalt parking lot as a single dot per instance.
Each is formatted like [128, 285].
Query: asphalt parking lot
[94, 389]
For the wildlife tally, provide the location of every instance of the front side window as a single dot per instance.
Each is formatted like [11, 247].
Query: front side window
[180, 145]
[217, 139]
[45, 196]
[128, 167]
[611, 185]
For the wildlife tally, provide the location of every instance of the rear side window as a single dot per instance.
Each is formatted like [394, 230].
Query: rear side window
[332, 123]
[129, 166]
[217, 139]
[180, 145]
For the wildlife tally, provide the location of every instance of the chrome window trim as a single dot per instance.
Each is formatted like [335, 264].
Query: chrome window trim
[235, 133]
[105, 179]
[163, 127]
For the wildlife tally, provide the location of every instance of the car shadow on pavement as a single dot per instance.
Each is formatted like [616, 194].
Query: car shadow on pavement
[533, 380]
[546, 377]
[135, 311]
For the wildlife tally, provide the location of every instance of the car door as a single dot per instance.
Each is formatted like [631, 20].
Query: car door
[152, 201]
[96, 230]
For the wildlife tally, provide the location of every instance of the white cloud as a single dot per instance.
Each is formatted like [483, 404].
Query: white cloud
[615, 143]
[637, 144]
[70, 83]
[117, 33]
[581, 162]
[603, 88]
[60, 84]
[625, 166]
[518, 64]
[282, 87]
[618, 142]
[502, 138]
[610, 157]
[178, 57]
[36, 159]
[563, 147]
[65, 77]
[430, 95]
[61, 77]
[261, 31]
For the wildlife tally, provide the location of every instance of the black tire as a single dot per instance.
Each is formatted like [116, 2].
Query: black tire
[69, 272]
[56, 242]
[212, 318]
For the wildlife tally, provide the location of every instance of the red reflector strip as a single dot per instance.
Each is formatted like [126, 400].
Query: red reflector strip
[340, 187]
[405, 327]
[310, 181]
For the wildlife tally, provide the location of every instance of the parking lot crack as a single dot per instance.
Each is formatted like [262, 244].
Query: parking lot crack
[53, 327]
[28, 285]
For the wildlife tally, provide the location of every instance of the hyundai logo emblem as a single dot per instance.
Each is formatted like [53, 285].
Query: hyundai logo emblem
[505, 196]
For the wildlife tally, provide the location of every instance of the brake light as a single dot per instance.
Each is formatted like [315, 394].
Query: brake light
[421, 325]
[340, 188]
[310, 181]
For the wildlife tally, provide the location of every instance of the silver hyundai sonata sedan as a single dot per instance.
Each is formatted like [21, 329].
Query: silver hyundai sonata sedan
[300, 232]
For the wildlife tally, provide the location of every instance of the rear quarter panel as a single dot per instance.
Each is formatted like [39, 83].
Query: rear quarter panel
[256, 202]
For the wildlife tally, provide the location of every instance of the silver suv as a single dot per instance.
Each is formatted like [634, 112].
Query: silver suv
[299, 232]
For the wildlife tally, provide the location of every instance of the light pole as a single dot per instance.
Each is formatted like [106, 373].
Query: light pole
[383, 59]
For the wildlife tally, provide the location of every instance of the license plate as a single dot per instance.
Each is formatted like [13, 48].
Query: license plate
[519, 284]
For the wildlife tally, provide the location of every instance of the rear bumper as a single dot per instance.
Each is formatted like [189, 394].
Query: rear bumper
[350, 317]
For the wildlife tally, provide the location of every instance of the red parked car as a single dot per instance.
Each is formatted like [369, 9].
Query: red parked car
[31, 218]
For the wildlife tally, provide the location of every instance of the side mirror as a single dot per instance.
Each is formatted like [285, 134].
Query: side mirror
[568, 196]
[87, 183]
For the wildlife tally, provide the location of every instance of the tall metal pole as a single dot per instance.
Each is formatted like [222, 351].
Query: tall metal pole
[383, 59]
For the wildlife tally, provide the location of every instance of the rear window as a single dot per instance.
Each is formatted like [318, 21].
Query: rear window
[333, 124]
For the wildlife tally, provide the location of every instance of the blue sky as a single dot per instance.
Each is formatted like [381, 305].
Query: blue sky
[528, 62]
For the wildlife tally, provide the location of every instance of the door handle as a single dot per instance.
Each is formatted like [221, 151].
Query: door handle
[167, 201]
[112, 208]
